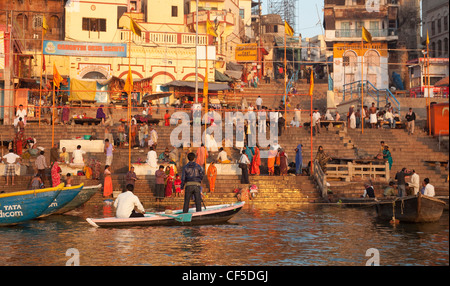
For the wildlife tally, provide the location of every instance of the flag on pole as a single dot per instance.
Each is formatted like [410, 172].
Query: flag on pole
[288, 29]
[57, 78]
[428, 39]
[311, 84]
[366, 36]
[210, 29]
[44, 25]
[135, 28]
[128, 88]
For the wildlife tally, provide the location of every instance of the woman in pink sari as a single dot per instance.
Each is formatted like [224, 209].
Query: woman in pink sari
[256, 162]
[56, 177]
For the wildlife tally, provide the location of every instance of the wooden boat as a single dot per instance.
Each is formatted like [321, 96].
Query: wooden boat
[83, 196]
[210, 215]
[362, 202]
[418, 208]
[357, 202]
[445, 199]
[66, 195]
[17, 207]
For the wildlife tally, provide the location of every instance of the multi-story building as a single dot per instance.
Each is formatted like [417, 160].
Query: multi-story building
[21, 44]
[343, 22]
[435, 19]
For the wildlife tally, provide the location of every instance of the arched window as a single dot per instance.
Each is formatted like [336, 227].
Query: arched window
[446, 47]
[54, 24]
[94, 75]
[349, 59]
[22, 21]
[372, 58]
[433, 50]
[439, 48]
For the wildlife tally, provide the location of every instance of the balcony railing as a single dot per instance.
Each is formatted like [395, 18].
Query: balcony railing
[358, 33]
[163, 39]
[221, 16]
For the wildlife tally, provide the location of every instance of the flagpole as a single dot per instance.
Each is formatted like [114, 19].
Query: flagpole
[285, 83]
[129, 98]
[428, 87]
[53, 114]
[205, 90]
[362, 83]
[196, 56]
[40, 74]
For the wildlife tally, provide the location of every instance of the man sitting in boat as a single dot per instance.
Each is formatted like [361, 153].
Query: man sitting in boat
[126, 203]
[191, 178]
[428, 189]
[369, 191]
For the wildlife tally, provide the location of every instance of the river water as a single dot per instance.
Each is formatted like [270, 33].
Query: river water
[257, 236]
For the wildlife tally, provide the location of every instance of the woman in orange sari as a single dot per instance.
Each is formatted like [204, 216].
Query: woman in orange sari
[107, 186]
[212, 175]
[271, 161]
[256, 162]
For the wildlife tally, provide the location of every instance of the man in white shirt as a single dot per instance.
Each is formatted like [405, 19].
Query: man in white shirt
[258, 103]
[388, 116]
[222, 158]
[415, 182]
[10, 160]
[152, 159]
[428, 189]
[126, 203]
[21, 113]
[316, 122]
[77, 156]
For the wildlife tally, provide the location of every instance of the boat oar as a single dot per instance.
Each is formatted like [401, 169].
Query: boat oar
[184, 217]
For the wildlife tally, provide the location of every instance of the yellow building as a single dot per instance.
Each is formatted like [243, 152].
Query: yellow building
[164, 52]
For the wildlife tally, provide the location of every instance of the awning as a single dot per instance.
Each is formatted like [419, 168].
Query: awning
[212, 86]
[155, 96]
[442, 82]
[221, 77]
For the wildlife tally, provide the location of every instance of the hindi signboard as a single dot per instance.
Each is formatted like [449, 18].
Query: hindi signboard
[84, 49]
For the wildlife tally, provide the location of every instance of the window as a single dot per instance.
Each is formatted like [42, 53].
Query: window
[94, 25]
[446, 46]
[439, 48]
[433, 28]
[174, 11]
[242, 13]
[439, 26]
[446, 23]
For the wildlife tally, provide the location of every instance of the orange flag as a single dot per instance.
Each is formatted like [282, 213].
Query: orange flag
[57, 78]
[311, 83]
[128, 88]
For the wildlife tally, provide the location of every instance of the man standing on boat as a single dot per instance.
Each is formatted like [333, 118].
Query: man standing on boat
[191, 178]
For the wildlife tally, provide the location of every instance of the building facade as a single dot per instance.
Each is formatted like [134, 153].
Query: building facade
[343, 22]
[435, 19]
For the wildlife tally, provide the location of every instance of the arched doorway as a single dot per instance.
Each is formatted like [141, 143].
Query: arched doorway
[372, 66]
[349, 62]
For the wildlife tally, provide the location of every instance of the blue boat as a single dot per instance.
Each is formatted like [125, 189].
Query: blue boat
[85, 195]
[17, 207]
[66, 195]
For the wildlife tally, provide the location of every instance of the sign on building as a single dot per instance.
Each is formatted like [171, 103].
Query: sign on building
[84, 49]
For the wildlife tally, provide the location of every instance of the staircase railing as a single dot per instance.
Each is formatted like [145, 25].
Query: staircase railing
[290, 83]
[353, 91]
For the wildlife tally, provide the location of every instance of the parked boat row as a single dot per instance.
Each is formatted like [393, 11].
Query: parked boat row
[416, 208]
[17, 207]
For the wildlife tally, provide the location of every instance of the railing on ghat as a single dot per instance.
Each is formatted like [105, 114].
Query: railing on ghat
[350, 170]
[321, 179]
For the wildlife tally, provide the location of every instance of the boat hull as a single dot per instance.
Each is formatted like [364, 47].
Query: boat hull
[66, 195]
[17, 207]
[212, 215]
[414, 209]
[83, 196]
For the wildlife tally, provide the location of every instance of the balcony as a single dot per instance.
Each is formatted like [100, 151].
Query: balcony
[163, 39]
[222, 17]
[390, 34]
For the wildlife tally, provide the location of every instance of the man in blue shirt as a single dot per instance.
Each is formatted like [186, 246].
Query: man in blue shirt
[191, 178]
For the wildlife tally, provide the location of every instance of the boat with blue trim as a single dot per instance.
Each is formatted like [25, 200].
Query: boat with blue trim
[66, 195]
[17, 207]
